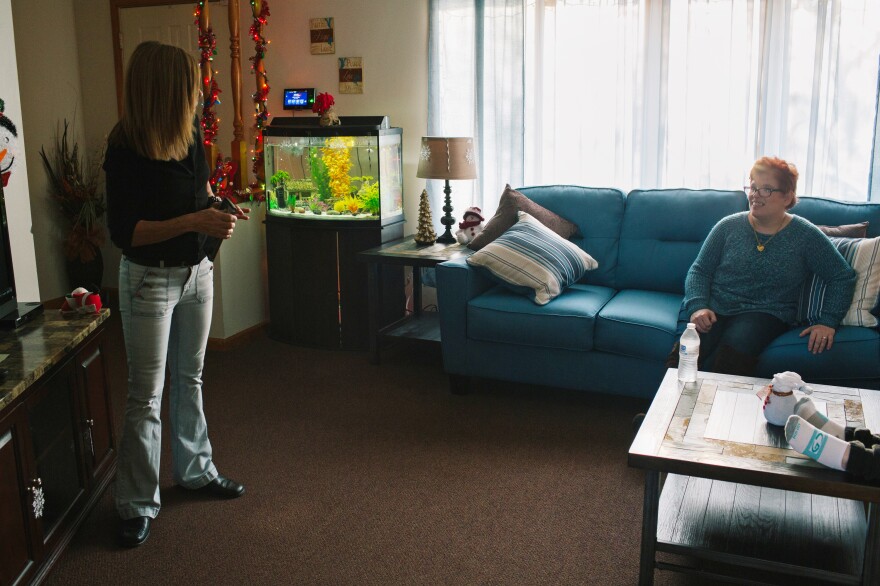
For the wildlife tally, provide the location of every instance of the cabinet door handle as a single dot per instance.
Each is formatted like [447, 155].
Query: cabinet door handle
[39, 497]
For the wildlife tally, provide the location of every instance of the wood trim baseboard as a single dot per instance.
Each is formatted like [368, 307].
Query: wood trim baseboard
[238, 340]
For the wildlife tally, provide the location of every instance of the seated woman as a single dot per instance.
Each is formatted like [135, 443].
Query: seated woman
[742, 290]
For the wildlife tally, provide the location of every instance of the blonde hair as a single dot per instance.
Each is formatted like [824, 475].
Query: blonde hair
[159, 101]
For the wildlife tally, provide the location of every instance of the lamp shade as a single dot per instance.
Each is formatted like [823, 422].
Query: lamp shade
[447, 158]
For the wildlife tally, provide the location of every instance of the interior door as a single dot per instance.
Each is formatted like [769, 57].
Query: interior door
[175, 25]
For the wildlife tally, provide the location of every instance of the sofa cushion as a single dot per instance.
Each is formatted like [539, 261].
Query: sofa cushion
[663, 230]
[598, 214]
[638, 323]
[512, 201]
[863, 254]
[855, 354]
[567, 322]
[533, 260]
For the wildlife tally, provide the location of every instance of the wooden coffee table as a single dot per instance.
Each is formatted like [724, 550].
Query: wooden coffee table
[725, 493]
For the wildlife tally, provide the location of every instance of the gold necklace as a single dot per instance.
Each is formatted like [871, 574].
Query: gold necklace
[760, 246]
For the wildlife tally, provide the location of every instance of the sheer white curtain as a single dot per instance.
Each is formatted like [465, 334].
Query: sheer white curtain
[657, 93]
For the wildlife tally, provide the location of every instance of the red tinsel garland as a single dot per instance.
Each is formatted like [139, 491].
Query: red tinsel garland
[261, 96]
[207, 49]
[221, 178]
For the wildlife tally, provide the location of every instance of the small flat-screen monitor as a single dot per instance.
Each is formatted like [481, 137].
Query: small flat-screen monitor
[299, 98]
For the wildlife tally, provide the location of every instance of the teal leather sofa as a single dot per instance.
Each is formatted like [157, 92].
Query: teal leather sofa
[612, 331]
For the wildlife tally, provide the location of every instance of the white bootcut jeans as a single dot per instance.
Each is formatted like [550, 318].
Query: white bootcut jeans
[166, 315]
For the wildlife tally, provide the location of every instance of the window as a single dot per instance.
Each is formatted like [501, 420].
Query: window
[662, 93]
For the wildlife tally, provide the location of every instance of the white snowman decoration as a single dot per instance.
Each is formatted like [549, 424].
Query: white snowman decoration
[470, 226]
[8, 146]
[780, 396]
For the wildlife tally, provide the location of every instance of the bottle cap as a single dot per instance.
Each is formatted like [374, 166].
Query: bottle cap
[692, 326]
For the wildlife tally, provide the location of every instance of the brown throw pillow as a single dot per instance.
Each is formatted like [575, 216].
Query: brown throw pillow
[512, 201]
[859, 230]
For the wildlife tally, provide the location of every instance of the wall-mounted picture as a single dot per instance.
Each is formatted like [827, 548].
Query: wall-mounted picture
[321, 33]
[351, 75]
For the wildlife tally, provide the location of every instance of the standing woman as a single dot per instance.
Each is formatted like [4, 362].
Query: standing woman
[161, 212]
[742, 290]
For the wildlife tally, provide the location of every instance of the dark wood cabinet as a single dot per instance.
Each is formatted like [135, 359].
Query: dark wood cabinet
[57, 447]
[318, 291]
[17, 524]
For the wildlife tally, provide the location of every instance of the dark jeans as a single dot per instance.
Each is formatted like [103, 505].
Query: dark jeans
[735, 342]
[864, 454]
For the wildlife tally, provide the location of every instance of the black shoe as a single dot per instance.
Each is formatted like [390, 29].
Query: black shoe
[133, 532]
[224, 488]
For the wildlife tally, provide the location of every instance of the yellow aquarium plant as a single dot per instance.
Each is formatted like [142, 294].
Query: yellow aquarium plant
[337, 158]
[351, 204]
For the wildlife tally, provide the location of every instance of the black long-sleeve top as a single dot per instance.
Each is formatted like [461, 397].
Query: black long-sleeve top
[139, 188]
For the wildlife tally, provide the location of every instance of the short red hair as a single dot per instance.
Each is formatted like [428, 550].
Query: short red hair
[785, 172]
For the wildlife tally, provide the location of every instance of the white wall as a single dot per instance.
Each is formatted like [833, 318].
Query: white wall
[390, 35]
[17, 192]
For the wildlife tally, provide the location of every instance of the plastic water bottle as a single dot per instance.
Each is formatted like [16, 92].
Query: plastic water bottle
[688, 352]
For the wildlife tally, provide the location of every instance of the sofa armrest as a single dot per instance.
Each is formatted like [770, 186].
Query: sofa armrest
[457, 283]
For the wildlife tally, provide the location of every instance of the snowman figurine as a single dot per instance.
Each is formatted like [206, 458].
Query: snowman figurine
[470, 226]
[780, 397]
[8, 143]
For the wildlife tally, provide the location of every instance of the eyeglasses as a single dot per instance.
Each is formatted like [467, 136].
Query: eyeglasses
[760, 191]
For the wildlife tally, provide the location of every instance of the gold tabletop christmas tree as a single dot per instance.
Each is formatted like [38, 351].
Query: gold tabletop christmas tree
[425, 234]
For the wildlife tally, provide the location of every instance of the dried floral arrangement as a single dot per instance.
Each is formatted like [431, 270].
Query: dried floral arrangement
[73, 182]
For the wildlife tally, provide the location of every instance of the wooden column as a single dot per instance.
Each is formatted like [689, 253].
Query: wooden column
[239, 147]
[207, 76]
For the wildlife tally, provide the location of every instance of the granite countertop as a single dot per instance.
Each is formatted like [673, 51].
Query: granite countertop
[40, 344]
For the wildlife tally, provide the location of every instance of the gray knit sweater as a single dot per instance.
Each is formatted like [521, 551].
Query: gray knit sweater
[731, 276]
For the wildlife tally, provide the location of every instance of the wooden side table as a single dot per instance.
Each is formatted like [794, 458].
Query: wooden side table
[404, 252]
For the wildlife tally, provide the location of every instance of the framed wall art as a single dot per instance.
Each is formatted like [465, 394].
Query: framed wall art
[351, 75]
[321, 34]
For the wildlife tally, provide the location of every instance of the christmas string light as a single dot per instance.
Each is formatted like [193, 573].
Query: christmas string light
[261, 95]
[221, 178]
[207, 50]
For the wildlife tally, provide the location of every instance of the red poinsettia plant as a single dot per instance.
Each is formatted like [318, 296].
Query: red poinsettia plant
[323, 102]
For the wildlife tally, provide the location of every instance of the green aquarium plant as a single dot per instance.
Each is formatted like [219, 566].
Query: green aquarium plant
[369, 195]
[277, 180]
[320, 174]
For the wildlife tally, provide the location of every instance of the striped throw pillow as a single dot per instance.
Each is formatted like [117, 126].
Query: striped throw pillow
[531, 259]
[863, 255]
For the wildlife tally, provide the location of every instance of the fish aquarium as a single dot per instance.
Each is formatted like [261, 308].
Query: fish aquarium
[352, 172]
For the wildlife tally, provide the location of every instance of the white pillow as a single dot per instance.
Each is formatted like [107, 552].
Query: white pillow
[531, 259]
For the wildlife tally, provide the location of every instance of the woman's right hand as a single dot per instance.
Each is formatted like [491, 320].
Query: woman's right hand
[215, 223]
[703, 318]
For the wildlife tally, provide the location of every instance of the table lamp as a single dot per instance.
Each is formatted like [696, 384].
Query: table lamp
[447, 158]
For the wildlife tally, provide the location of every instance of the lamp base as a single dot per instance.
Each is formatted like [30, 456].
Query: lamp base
[447, 219]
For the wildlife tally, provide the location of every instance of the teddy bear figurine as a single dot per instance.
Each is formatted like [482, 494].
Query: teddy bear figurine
[779, 396]
[470, 226]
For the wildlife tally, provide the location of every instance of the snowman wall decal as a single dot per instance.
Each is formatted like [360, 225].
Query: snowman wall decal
[8, 145]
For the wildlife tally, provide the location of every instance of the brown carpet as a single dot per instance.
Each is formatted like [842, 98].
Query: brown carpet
[362, 474]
